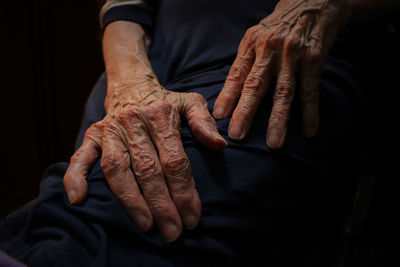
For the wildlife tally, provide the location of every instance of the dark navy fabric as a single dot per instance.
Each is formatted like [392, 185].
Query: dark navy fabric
[133, 13]
[7, 261]
[260, 207]
[128, 13]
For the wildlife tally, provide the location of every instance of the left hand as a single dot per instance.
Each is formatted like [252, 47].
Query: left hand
[142, 156]
[291, 43]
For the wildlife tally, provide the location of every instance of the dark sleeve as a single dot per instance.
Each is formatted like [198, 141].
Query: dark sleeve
[140, 11]
[128, 13]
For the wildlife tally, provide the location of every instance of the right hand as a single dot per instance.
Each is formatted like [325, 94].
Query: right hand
[143, 158]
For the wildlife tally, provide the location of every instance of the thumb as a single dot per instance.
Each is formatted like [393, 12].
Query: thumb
[75, 178]
[202, 124]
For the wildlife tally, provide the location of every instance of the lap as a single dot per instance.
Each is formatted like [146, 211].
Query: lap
[257, 203]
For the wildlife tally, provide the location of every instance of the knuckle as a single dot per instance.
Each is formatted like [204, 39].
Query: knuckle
[94, 131]
[236, 74]
[127, 115]
[271, 40]
[110, 125]
[158, 108]
[253, 84]
[275, 39]
[112, 162]
[250, 32]
[175, 164]
[160, 104]
[284, 92]
[146, 169]
[91, 131]
[292, 43]
[250, 36]
[145, 165]
[198, 98]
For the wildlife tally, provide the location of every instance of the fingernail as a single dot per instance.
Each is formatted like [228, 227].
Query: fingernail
[190, 221]
[235, 132]
[219, 137]
[274, 140]
[170, 232]
[71, 196]
[218, 112]
[142, 222]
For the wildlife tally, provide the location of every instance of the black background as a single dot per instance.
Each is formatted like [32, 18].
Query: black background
[50, 58]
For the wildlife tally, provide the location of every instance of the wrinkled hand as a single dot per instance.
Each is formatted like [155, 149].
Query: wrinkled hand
[143, 159]
[292, 44]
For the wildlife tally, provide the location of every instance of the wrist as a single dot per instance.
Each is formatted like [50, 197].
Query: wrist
[135, 80]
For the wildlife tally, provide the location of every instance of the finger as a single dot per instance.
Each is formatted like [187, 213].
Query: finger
[282, 100]
[309, 96]
[201, 122]
[165, 132]
[149, 174]
[115, 163]
[310, 78]
[83, 159]
[254, 90]
[241, 67]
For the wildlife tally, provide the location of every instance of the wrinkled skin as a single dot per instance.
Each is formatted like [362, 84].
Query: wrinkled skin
[291, 44]
[142, 156]
[139, 139]
[142, 148]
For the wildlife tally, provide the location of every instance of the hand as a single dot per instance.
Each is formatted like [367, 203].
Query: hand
[292, 44]
[142, 148]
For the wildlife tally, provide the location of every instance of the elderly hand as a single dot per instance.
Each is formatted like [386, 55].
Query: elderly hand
[292, 44]
[141, 148]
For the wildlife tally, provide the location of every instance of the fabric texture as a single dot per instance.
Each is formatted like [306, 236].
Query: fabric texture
[281, 208]
[7, 261]
[139, 11]
[131, 13]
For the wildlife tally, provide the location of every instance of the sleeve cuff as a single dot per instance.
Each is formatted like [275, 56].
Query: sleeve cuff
[128, 13]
